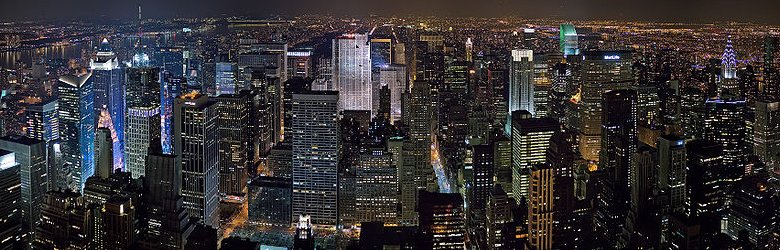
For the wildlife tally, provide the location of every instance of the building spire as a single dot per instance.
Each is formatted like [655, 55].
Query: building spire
[729, 61]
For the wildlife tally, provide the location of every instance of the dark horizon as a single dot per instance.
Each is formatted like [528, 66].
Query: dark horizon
[694, 11]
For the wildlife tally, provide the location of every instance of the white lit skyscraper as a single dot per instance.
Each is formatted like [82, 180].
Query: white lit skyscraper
[142, 120]
[352, 71]
[394, 76]
[521, 81]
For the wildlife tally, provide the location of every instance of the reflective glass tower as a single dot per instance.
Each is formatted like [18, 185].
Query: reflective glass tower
[77, 128]
[109, 90]
[568, 40]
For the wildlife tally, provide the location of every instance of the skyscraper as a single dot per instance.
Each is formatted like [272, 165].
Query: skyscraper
[10, 186]
[44, 125]
[352, 71]
[530, 141]
[602, 71]
[729, 86]
[618, 145]
[376, 188]
[395, 78]
[725, 124]
[31, 155]
[168, 221]
[418, 112]
[521, 81]
[766, 130]
[483, 168]
[672, 172]
[381, 46]
[170, 89]
[234, 141]
[442, 222]
[541, 207]
[315, 156]
[77, 128]
[198, 144]
[109, 90]
[142, 121]
[226, 78]
[568, 40]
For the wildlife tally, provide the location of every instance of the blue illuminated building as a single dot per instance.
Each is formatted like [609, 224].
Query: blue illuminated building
[77, 127]
[169, 59]
[171, 88]
[109, 91]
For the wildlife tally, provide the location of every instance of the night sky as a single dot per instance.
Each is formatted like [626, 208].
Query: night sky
[762, 11]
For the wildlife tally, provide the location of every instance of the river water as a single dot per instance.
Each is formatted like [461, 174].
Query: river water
[9, 58]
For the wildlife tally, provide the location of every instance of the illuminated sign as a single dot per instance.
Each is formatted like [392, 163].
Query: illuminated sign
[611, 57]
[679, 143]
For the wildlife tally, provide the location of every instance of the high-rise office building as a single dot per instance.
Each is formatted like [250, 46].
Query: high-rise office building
[499, 219]
[352, 72]
[381, 49]
[235, 141]
[11, 234]
[270, 200]
[169, 223]
[541, 207]
[766, 132]
[315, 156]
[108, 81]
[119, 223]
[170, 89]
[725, 124]
[376, 188]
[77, 128]
[530, 141]
[65, 222]
[197, 141]
[31, 155]
[442, 222]
[103, 153]
[618, 145]
[752, 211]
[418, 112]
[142, 117]
[568, 40]
[602, 71]
[43, 124]
[672, 172]
[395, 78]
[483, 169]
[521, 81]
[226, 78]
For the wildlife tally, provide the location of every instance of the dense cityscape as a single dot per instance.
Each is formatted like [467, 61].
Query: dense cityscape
[388, 132]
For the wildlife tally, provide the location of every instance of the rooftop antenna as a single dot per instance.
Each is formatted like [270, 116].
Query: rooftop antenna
[140, 27]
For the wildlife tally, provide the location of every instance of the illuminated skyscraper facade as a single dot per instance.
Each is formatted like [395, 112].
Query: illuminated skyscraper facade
[568, 40]
[376, 188]
[77, 128]
[725, 124]
[142, 120]
[352, 71]
[766, 131]
[395, 78]
[530, 141]
[315, 156]
[109, 89]
[521, 81]
[197, 141]
[235, 141]
[602, 71]
[10, 192]
[541, 207]
[31, 155]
